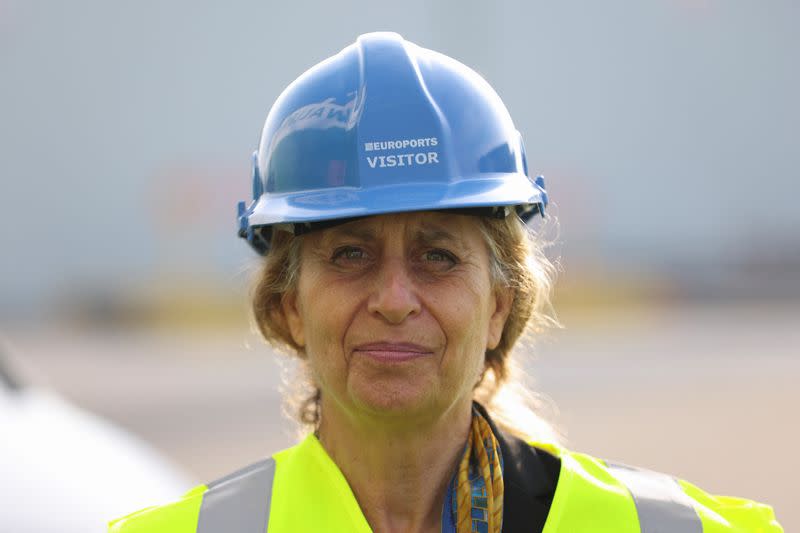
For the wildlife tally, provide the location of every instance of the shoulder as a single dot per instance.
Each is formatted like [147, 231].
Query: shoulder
[265, 494]
[237, 498]
[234, 498]
[650, 500]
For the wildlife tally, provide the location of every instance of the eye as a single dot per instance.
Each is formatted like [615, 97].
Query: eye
[440, 259]
[348, 254]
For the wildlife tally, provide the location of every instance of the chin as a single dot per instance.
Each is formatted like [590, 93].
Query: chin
[393, 399]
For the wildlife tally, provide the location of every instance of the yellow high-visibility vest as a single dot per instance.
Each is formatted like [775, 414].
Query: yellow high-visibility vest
[302, 490]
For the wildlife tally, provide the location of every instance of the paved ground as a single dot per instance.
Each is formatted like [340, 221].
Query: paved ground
[708, 393]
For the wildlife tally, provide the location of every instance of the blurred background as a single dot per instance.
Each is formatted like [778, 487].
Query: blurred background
[668, 134]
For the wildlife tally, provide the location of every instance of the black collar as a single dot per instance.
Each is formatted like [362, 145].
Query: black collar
[530, 476]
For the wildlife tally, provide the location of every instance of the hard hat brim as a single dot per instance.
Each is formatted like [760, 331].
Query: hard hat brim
[488, 190]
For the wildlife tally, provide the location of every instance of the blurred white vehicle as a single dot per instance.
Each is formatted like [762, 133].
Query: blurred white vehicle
[65, 470]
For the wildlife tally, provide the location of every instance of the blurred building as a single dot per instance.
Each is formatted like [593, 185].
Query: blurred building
[667, 132]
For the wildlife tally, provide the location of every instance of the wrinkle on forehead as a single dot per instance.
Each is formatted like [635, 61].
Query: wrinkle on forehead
[426, 227]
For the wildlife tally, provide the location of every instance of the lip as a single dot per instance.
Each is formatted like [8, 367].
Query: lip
[391, 352]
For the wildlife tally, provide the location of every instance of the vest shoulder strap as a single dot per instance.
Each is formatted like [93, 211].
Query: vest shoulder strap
[240, 501]
[237, 502]
[594, 495]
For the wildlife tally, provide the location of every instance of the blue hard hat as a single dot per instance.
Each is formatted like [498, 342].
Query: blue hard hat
[385, 126]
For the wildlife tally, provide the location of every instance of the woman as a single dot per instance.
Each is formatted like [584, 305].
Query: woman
[390, 193]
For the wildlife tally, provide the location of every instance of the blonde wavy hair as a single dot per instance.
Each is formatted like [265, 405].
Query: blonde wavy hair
[517, 261]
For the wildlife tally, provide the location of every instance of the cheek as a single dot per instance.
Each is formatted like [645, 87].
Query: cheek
[465, 322]
[326, 317]
[317, 327]
[321, 353]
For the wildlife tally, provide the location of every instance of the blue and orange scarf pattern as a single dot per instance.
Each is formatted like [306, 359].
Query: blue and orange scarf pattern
[475, 495]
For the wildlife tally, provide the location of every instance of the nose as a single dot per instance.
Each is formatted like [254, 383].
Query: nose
[394, 297]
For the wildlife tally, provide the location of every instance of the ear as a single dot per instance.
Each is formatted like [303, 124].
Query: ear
[294, 318]
[503, 299]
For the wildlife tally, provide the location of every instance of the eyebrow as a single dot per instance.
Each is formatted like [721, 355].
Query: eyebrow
[359, 233]
[434, 234]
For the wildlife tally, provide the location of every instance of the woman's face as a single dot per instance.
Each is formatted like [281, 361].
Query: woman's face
[395, 312]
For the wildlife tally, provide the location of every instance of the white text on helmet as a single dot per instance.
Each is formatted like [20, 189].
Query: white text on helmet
[401, 144]
[403, 160]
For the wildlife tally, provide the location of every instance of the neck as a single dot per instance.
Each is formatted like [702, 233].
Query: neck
[398, 471]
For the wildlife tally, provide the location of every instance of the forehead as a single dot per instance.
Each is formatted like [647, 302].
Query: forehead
[418, 225]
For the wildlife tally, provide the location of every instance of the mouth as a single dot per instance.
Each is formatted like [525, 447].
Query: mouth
[392, 352]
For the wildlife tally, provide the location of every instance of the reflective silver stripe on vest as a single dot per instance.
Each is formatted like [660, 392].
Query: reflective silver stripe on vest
[661, 504]
[238, 502]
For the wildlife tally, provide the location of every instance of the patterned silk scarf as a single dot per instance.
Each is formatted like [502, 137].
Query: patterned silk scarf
[477, 487]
